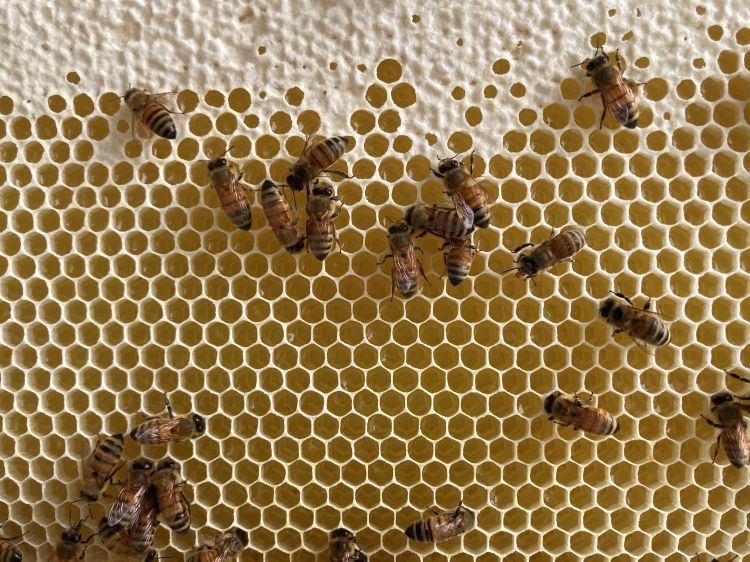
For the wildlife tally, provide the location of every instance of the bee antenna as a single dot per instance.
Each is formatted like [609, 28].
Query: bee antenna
[389, 219]
[228, 149]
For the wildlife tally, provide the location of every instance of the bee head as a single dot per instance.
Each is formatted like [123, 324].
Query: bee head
[73, 534]
[550, 400]
[606, 308]
[448, 164]
[241, 535]
[342, 533]
[216, 164]
[142, 463]
[88, 497]
[15, 557]
[129, 93]
[168, 464]
[200, 423]
[596, 63]
[398, 227]
[297, 178]
[296, 247]
[721, 398]
[324, 191]
[527, 267]
[267, 185]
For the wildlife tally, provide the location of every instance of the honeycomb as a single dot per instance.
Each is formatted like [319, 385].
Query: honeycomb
[328, 404]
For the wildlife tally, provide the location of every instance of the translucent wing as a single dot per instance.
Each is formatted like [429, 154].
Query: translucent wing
[447, 529]
[168, 101]
[139, 128]
[127, 504]
[464, 211]
[735, 444]
[157, 431]
[405, 271]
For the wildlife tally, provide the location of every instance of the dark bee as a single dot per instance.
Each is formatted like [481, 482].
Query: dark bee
[144, 527]
[458, 258]
[570, 410]
[406, 267]
[10, 552]
[116, 540]
[469, 198]
[173, 506]
[549, 253]
[71, 546]
[440, 221]
[129, 501]
[322, 208]
[442, 526]
[202, 553]
[231, 191]
[730, 414]
[100, 466]
[343, 547]
[619, 94]
[230, 543]
[150, 113]
[156, 430]
[280, 217]
[315, 160]
[642, 325]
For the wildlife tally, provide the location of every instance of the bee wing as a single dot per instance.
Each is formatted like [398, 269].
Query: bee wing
[140, 130]
[735, 443]
[128, 503]
[168, 101]
[618, 97]
[448, 529]
[153, 430]
[464, 211]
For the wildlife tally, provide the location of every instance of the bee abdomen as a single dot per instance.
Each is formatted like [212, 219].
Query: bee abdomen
[159, 121]
[328, 151]
[481, 216]
[456, 272]
[240, 215]
[420, 531]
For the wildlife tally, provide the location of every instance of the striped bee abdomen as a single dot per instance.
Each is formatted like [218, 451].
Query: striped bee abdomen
[158, 119]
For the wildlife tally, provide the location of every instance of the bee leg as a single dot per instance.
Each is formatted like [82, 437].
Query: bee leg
[648, 304]
[168, 405]
[739, 378]
[438, 174]
[336, 238]
[385, 258]
[712, 423]
[421, 270]
[340, 174]
[626, 299]
[618, 59]
[716, 449]
[471, 163]
[587, 94]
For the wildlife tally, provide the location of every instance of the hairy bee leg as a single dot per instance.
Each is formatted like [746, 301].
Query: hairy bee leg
[521, 247]
[588, 94]
[626, 299]
[733, 375]
[604, 114]
[340, 174]
[712, 423]
[471, 163]
[421, 270]
[168, 405]
[385, 258]
[648, 304]
[716, 449]
[438, 174]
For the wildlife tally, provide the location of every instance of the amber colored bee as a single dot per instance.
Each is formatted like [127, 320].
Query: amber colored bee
[150, 113]
[231, 191]
[570, 410]
[642, 325]
[322, 208]
[116, 540]
[552, 251]
[173, 506]
[71, 546]
[230, 543]
[10, 552]
[129, 501]
[280, 217]
[730, 416]
[458, 259]
[343, 547]
[469, 198]
[202, 553]
[440, 221]
[156, 430]
[315, 160]
[100, 466]
[442, 526]
[406, 267]
[144, 527]
[619, 94]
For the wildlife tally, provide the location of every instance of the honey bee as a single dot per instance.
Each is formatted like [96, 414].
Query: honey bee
[230, 543]
[645, 327]
[202, 553]
[458, 259]
[71, 546]
[116, 540]
[570, 410]
[144, 527]
[619, 94]
[552, 251]
[406, 267]
[469, 198]
[343, 547]
[231, 192]
[130, 500]
[322, 208]
[440, 221]
[280, 217]
[100, 466]
[10, 552]
[730, 415]
[442, 526]
[150, 113]
[315, 160]
[157, 431]
[173, 507]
